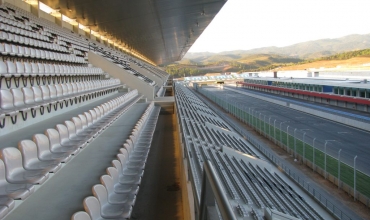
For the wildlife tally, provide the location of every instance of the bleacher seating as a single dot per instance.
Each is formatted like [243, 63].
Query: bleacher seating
[115, 197]
[44, 70]
[247, 183]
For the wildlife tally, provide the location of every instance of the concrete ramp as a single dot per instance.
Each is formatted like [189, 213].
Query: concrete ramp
[124, 76]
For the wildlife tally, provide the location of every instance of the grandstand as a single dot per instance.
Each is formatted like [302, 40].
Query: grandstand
[87, 118]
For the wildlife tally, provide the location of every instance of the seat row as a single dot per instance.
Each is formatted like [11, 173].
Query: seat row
[44, 73]
[10, 20]
[29, 52]
[115, 197]
[33, 98]
[31, 163]
[18, 38]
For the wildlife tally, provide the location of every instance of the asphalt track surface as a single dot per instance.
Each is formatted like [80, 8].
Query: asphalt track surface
[349, 113]
[352, 141]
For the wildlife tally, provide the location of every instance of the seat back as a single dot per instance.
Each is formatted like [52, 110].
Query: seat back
[78, 124]
[18, 98]
[88, 118]
[84, 122]
[81, 215]
[37, 94]
[123, 159]
[63, 132]
[101, 193]
[107, 181]
[113, 172]
[12, 159]
[28, 96]
[53, 91]
[92, 206]
[71, 128]
[118, 166]
[45, 93]
[28, 150]
[6, 99]
[54, 138]
[42, 143]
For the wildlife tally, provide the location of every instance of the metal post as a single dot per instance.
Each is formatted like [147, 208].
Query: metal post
[313, 156]
[303, 147]
[354, 178]
[287, 136]
[264, 124]
[295, 145]
[281, 141]
[339, 168]
[259, 118]
[275, 131]
[326, 142]
[249, 116]
[269, 127]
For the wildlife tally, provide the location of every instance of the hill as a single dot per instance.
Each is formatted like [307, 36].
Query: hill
[305, 50]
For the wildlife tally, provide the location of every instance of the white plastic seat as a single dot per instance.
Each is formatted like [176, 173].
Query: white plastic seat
[43, 150]
[56, 146]
[14, 171]
[81, 215]
[15, 191]
[28, 149]
[64, 137]
[115, 197]
[108, 210]
[119, 187]
[125, 179]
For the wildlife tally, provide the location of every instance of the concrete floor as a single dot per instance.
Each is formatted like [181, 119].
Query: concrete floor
[160, 192]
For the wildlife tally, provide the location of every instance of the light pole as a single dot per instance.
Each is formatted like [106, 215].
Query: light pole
[326, 142]
[339, 168]
[281, 132]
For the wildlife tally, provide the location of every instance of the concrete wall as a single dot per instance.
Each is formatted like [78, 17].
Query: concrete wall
[121, 74]
[19, 4]
[46, 16]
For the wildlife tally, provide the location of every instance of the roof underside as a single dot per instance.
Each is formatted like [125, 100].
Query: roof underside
[161, 30]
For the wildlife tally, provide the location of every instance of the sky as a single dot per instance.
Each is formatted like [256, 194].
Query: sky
[248, 24]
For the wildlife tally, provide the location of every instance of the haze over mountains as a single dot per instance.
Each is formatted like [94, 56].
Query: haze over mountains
[306, 50]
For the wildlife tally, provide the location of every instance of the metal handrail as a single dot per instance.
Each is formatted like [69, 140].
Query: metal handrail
[212, 190]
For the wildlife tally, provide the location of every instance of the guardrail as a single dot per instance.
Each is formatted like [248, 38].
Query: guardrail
[311, 190]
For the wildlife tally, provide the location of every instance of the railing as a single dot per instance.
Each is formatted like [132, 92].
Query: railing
[212, 193]
[291, 172]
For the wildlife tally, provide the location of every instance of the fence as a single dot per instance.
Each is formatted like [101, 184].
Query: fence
[335, 165]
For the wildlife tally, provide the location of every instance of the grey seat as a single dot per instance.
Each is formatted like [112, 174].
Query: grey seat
[55, 144]
[93, 208]
[81, 215]
[108, 210]
[28, 149]
[125, 179]
[116, 197]
[15, 191]
[119, 187]
[139, 157]
[14, 171]
[43, 150]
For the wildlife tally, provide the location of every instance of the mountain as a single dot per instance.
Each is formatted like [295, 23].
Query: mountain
[306, 50]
